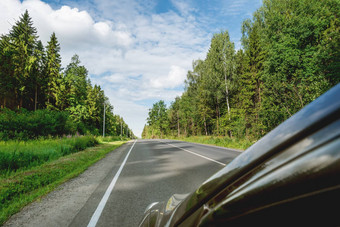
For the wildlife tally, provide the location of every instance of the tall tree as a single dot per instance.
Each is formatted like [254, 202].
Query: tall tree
[95, 106]
[23, 41]
[53, 66]
[220, 69]
[158, 118]
[76, 77]
[198, 94]
[174, 115]
[38, 76]
[7, 81]
[250, 80]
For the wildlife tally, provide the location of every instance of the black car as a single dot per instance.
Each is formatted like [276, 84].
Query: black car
[291, 177]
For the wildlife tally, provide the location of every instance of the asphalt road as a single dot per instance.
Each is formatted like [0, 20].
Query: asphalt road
[154, 170]
[116, 190]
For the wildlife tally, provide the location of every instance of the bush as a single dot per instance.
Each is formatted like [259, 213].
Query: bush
[25, 125]
[16, 155]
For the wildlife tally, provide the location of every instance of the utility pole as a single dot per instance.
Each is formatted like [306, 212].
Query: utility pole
[104, 122]
[121, 128]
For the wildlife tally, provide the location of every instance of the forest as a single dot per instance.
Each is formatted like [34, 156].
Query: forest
[289, 57]
[39, 98]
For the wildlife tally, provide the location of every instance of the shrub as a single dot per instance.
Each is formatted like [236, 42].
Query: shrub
[25, 125]
[16, 155]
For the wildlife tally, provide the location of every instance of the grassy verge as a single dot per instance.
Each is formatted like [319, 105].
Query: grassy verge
[23, 187]
[18, 155]
[235, 143]
[111, 138]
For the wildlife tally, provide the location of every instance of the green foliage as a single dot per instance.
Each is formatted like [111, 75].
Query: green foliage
[158, 119]
[24, 125]
[299, 65]
[15, 155]
[75, 80]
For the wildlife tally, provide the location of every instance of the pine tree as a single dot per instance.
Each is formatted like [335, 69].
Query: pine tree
[23, 43]
[53, 65]
[250, 80]
[76, 78]
[38, 77]
[7, 82]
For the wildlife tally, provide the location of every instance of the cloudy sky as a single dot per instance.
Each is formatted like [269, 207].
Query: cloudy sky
[138, 51]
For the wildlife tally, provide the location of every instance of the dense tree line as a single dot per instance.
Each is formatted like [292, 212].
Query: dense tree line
[31, 78]
[289, 57]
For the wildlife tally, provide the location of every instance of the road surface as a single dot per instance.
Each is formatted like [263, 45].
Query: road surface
[116, 190]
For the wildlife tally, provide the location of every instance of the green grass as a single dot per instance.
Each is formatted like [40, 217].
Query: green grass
[18, 155]
[111, 138]
[221, 141]
[23, 187]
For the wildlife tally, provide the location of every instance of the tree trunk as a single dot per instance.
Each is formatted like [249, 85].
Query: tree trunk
[227, 94]
[21, 100]
[16, 99]
[218, 119]
[227, 99]
[36, 97]
[178, 130]
[48, 95]
[205, 127]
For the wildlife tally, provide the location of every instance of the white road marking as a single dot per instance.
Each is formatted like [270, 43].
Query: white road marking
[101, 205]
[202, 156]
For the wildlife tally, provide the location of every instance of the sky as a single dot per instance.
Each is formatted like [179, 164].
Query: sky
[138, 51]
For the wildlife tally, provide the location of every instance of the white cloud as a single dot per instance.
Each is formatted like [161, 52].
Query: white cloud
[184, 7]
[115, 78]
[9, 13]
[174, 79]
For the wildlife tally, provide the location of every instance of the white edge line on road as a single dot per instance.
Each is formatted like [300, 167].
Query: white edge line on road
[202, 156]
[96, 215]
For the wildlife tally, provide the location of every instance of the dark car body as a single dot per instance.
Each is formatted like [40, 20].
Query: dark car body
[290, 177]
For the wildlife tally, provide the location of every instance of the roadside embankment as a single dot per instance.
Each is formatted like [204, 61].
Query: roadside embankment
[21, 186]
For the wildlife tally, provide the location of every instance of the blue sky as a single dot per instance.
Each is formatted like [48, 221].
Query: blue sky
[138, 51]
